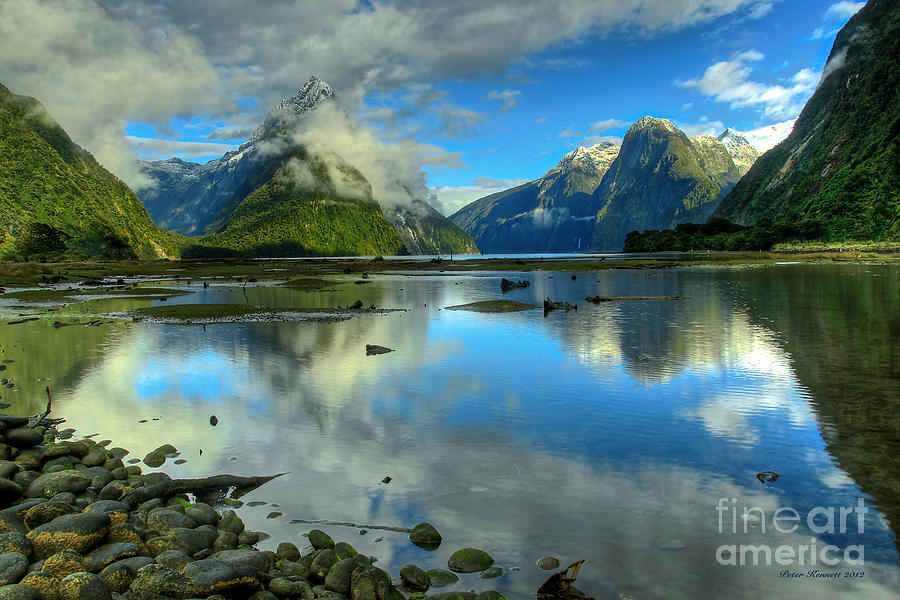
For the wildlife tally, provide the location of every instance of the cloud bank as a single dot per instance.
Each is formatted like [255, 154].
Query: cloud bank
[729, 82]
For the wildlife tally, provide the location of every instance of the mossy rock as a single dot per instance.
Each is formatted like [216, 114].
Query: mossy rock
[320, 540]
[469, 560]
[441, 578]
[491, 572]
[80, 532]
[232, 579]
[425, 536]
[414, 578]
[83, 585]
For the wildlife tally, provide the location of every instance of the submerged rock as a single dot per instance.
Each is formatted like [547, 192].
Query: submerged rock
[469, 560]
[373, 349]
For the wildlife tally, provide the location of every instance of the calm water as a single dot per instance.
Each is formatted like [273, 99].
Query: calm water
[609, 434]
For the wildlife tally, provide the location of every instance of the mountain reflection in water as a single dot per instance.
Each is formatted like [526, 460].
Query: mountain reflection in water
[609, 433]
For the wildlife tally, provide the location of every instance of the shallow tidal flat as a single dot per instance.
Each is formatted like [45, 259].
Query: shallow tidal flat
[607, 433]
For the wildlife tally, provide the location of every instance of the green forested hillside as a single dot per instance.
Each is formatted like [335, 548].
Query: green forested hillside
[297, 211]
[659, 179]
[56, 200]
[840, 167]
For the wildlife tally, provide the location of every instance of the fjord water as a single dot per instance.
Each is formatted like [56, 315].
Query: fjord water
[609, 434]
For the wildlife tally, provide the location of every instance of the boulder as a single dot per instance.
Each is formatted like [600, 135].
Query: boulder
[81, 532]
[98, 559]
[469, 560]
[210, 576]
[83, 586]
[12, 567]
[63, 563]
[425, 536]
[320, 540]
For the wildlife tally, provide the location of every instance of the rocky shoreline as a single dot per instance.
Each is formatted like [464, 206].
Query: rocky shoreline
[77, 523]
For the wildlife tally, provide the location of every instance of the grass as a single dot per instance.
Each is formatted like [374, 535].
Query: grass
[52, 295]
[314, 272]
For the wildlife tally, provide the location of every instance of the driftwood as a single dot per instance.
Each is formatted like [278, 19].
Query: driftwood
[599, 299]
[38, 419]
[559, 585]
[550, 305]
[163, 490]
[20, 321]
[351, 524]
[506, 284]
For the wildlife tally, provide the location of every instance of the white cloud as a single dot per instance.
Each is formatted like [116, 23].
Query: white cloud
[686, 106]
[591, 140]
[157, 148]
[508, 97]
[601, 126]
[394, 170]
[729, 82]
[99, 64]
[842, 10]
[540, 120]
[449, 199]
[704, 127]
[760, 10]
[94, 73]
[569, 132]
[834, 63]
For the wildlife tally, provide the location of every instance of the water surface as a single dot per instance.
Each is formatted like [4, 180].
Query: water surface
[609, 434]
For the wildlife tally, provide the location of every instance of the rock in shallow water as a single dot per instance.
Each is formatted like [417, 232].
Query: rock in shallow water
[548, 563]
[425, 536]
[469, 560]
[441, 578]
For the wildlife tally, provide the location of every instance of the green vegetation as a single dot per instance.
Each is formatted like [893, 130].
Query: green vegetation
[56, 201]
[494, 306]
[840, 167]
[426, 231]
[721, 234]
[660, 178]
[298, 211]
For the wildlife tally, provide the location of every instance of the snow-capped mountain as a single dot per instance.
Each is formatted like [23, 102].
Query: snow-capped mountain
[195, 199]
[742, 152]
[769, 136]
[188, 196]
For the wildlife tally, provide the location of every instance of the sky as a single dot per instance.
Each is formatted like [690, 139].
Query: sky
[471, 96]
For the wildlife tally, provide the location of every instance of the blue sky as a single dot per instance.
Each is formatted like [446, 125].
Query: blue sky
[481, 95]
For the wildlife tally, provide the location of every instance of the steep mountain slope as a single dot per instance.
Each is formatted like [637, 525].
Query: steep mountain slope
[739, 148]
[659, 179]
[188, 197]
[551, 214]
[302, 208]
[54, 197]
[426, 231]
[840, 167]
[197, 199]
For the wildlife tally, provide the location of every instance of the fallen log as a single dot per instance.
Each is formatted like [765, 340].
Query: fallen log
[163, 490]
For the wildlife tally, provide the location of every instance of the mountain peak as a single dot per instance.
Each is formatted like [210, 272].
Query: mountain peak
[287, 111]
[589, 158]
[650, 122]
